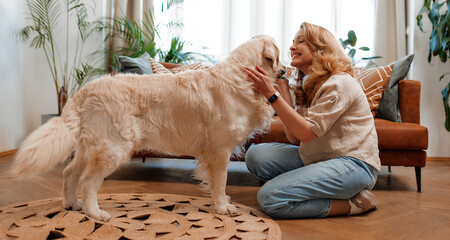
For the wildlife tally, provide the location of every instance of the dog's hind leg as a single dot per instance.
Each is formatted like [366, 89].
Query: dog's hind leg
[101, 163]
[71, 177]
[214, 169]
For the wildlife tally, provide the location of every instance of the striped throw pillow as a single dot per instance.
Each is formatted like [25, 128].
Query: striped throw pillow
[194, 66]
[158, 68]
[373, 82]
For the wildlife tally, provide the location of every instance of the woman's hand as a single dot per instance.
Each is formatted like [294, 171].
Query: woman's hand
[261, 81]
[296, 127]
[283, 87]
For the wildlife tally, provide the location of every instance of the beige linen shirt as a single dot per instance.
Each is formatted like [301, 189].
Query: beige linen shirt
[340, 116]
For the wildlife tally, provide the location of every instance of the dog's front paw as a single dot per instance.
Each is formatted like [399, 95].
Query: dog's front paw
[74, 206]
[100, 215]
[226, 209]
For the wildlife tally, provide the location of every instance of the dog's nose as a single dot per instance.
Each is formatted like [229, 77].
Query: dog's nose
[280, 73]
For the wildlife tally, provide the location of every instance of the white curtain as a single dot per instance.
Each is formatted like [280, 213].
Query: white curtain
[390, 30]
[245, 19]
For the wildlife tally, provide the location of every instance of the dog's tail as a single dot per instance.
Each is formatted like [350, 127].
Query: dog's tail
[48, 145]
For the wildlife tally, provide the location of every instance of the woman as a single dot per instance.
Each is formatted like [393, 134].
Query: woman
[336, 163]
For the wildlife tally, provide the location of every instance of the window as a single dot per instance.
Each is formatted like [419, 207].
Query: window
[216, 27]
[338, 16]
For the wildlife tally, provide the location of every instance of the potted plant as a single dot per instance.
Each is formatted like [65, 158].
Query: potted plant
[349, 45]
[139, 37]
[439, 45]
[68, 75]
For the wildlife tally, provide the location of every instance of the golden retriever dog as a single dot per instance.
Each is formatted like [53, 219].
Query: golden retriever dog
[202, 113]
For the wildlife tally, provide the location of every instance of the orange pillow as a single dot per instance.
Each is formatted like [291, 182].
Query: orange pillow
[373, 82]
[194, 66]
[158, 68]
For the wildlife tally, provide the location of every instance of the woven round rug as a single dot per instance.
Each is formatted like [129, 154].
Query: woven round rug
[135, 216]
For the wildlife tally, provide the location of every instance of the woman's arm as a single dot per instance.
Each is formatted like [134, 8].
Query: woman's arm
[283, 87]
[293, 122]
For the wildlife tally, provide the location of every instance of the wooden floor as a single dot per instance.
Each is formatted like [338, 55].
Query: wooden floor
[402, 213]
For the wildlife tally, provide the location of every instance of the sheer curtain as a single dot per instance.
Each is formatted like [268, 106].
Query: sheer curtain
[390, 30]
[231, 22]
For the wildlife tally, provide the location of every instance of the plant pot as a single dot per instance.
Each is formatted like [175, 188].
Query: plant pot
[46, 117]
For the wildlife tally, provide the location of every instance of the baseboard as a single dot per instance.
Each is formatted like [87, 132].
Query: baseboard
[8, 153]
[438, 159]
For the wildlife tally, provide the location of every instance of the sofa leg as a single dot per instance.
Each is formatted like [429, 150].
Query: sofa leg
[389, 168]
[418, 177]
[143, 159]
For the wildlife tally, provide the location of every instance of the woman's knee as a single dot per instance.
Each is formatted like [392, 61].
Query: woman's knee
[268, 200]
[273, 203]
[256, 151]
[256, 155]
[258, 160]
[278, 204]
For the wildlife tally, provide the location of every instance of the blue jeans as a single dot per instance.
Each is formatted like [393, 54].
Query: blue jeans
[294, 190]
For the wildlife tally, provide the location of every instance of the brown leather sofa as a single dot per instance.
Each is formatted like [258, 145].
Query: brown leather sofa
[400, 144]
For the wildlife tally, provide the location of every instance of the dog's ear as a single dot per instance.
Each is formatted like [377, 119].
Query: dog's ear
[271, 53]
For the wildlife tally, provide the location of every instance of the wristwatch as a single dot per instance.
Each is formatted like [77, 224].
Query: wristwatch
[274, 97]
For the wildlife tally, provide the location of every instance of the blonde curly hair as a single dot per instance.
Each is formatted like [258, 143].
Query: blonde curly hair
[329, 59]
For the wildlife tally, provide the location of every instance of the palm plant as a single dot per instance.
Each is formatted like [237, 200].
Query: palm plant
[46, 15]
[139, 37]
[175, 54]
[135, 37]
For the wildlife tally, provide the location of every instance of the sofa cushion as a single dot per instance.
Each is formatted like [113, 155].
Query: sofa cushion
[160, 68]
[138, 65]
[189, 67]
[388, 108]
[407, 136]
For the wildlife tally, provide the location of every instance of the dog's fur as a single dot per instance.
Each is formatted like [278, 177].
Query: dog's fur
[203, 113]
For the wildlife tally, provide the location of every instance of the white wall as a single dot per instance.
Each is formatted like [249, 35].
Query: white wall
[11, 86]
[432, 113]
[26, 88]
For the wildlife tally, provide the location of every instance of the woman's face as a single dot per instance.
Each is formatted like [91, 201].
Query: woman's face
[301, 54]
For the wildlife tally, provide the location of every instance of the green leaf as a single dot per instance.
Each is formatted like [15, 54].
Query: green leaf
[352, 37]
[346, 43]
[352, 52]
[447, 17]
[420, 16]
[435, 42]
[364, 48]
[445, 98]
[443, 56]
[443, 75]
[369, 58]
[446, 43]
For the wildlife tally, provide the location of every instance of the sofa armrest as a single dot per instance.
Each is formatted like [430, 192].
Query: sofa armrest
[409, 100]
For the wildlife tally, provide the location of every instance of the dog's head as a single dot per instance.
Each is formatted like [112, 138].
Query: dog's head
[270, 54]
